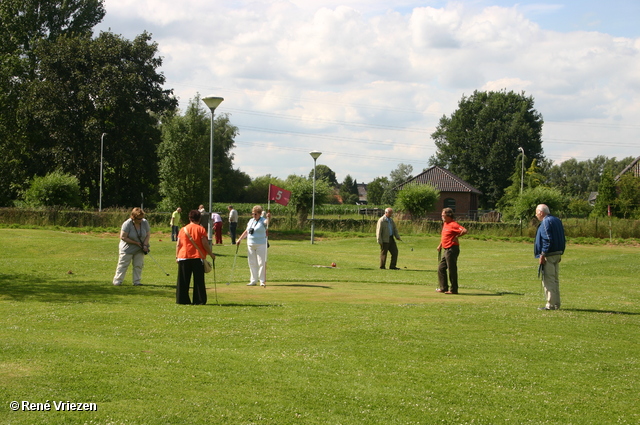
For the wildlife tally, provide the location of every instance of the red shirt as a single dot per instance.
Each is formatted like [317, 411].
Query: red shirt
[450, 231]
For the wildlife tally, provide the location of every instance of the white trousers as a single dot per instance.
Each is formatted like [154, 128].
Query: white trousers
[257, 257]
[551, 281]
[123, 265]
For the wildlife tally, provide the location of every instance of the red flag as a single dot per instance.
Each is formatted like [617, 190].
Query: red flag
[609, 210]
[281, 196]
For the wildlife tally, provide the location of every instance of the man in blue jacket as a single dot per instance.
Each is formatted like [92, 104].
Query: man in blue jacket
[548, 248]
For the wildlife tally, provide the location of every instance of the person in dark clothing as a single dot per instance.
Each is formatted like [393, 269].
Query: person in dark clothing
[191, 250]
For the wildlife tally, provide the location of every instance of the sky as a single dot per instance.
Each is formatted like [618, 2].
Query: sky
[366, 81]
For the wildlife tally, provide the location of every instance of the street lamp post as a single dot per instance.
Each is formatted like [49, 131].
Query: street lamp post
[521, 181]
[522, 172]
[101, 153]
[314, 155]
[212, 103]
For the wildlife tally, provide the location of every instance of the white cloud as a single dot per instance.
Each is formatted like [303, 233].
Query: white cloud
[389, 71]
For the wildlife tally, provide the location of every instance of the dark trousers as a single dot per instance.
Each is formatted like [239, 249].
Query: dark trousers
[174, 233]
[449, 261]
[186, 268]
[233, 226]
[391, 248]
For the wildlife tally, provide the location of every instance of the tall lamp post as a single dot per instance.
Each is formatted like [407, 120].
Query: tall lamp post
[522, 173]
[212, 103]
[314, 155]
[101, 152]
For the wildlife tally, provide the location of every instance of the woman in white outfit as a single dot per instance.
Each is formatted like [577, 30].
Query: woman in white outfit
[134, 245]
[256, 234]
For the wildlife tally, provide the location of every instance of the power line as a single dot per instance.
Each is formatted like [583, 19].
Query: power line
[291, 117]
[337, 138]
[341, 154]
[592, 143]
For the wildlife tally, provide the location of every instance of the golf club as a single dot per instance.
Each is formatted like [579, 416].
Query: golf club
[233, 268]
[163, 270]
[215, 287]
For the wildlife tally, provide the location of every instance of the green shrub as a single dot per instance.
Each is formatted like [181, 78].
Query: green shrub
[54, 189]
[524, 207]
[417, 200]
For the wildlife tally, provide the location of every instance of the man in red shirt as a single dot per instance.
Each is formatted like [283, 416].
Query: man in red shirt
[449, 241]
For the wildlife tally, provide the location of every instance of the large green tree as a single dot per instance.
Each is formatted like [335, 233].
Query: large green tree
[324, 172]
[376, 190]
[62, 89]
[86, 87]
[479, 142]
[184, 159]
[24, 24]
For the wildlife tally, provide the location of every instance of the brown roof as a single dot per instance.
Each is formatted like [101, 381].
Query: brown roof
[443, 180]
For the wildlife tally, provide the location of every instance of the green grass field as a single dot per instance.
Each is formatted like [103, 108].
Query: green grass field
[350, 345]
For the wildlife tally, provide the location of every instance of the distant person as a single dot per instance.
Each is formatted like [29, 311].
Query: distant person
[256, 234]
[386, 235]
[134, 245]
[451, 231]
[548, 248]
[191, 250]
[175, 224]
[233, 223]
[204, 218]
[217, 227]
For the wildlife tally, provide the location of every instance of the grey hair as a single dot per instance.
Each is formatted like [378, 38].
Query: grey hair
[543, 208]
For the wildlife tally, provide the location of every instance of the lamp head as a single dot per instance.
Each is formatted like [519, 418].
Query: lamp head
[212, 102]
[315, 154]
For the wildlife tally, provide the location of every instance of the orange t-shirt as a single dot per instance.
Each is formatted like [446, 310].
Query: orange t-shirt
[450, 231]
[186, 248]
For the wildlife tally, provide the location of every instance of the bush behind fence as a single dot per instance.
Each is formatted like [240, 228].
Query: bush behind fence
[285, 219]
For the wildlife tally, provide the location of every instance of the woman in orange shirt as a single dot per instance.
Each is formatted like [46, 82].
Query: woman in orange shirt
[190, 260]
[449, 241]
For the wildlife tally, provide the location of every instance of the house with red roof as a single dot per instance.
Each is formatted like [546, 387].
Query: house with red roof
[455, 193]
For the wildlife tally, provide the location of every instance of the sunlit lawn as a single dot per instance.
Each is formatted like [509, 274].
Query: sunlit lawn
[320, 345]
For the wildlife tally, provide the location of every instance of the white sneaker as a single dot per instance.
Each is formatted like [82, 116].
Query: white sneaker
[263, 284]
[117, 283]
[251, 284]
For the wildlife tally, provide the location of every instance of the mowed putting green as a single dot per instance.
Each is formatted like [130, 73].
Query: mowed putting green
[319, 345]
